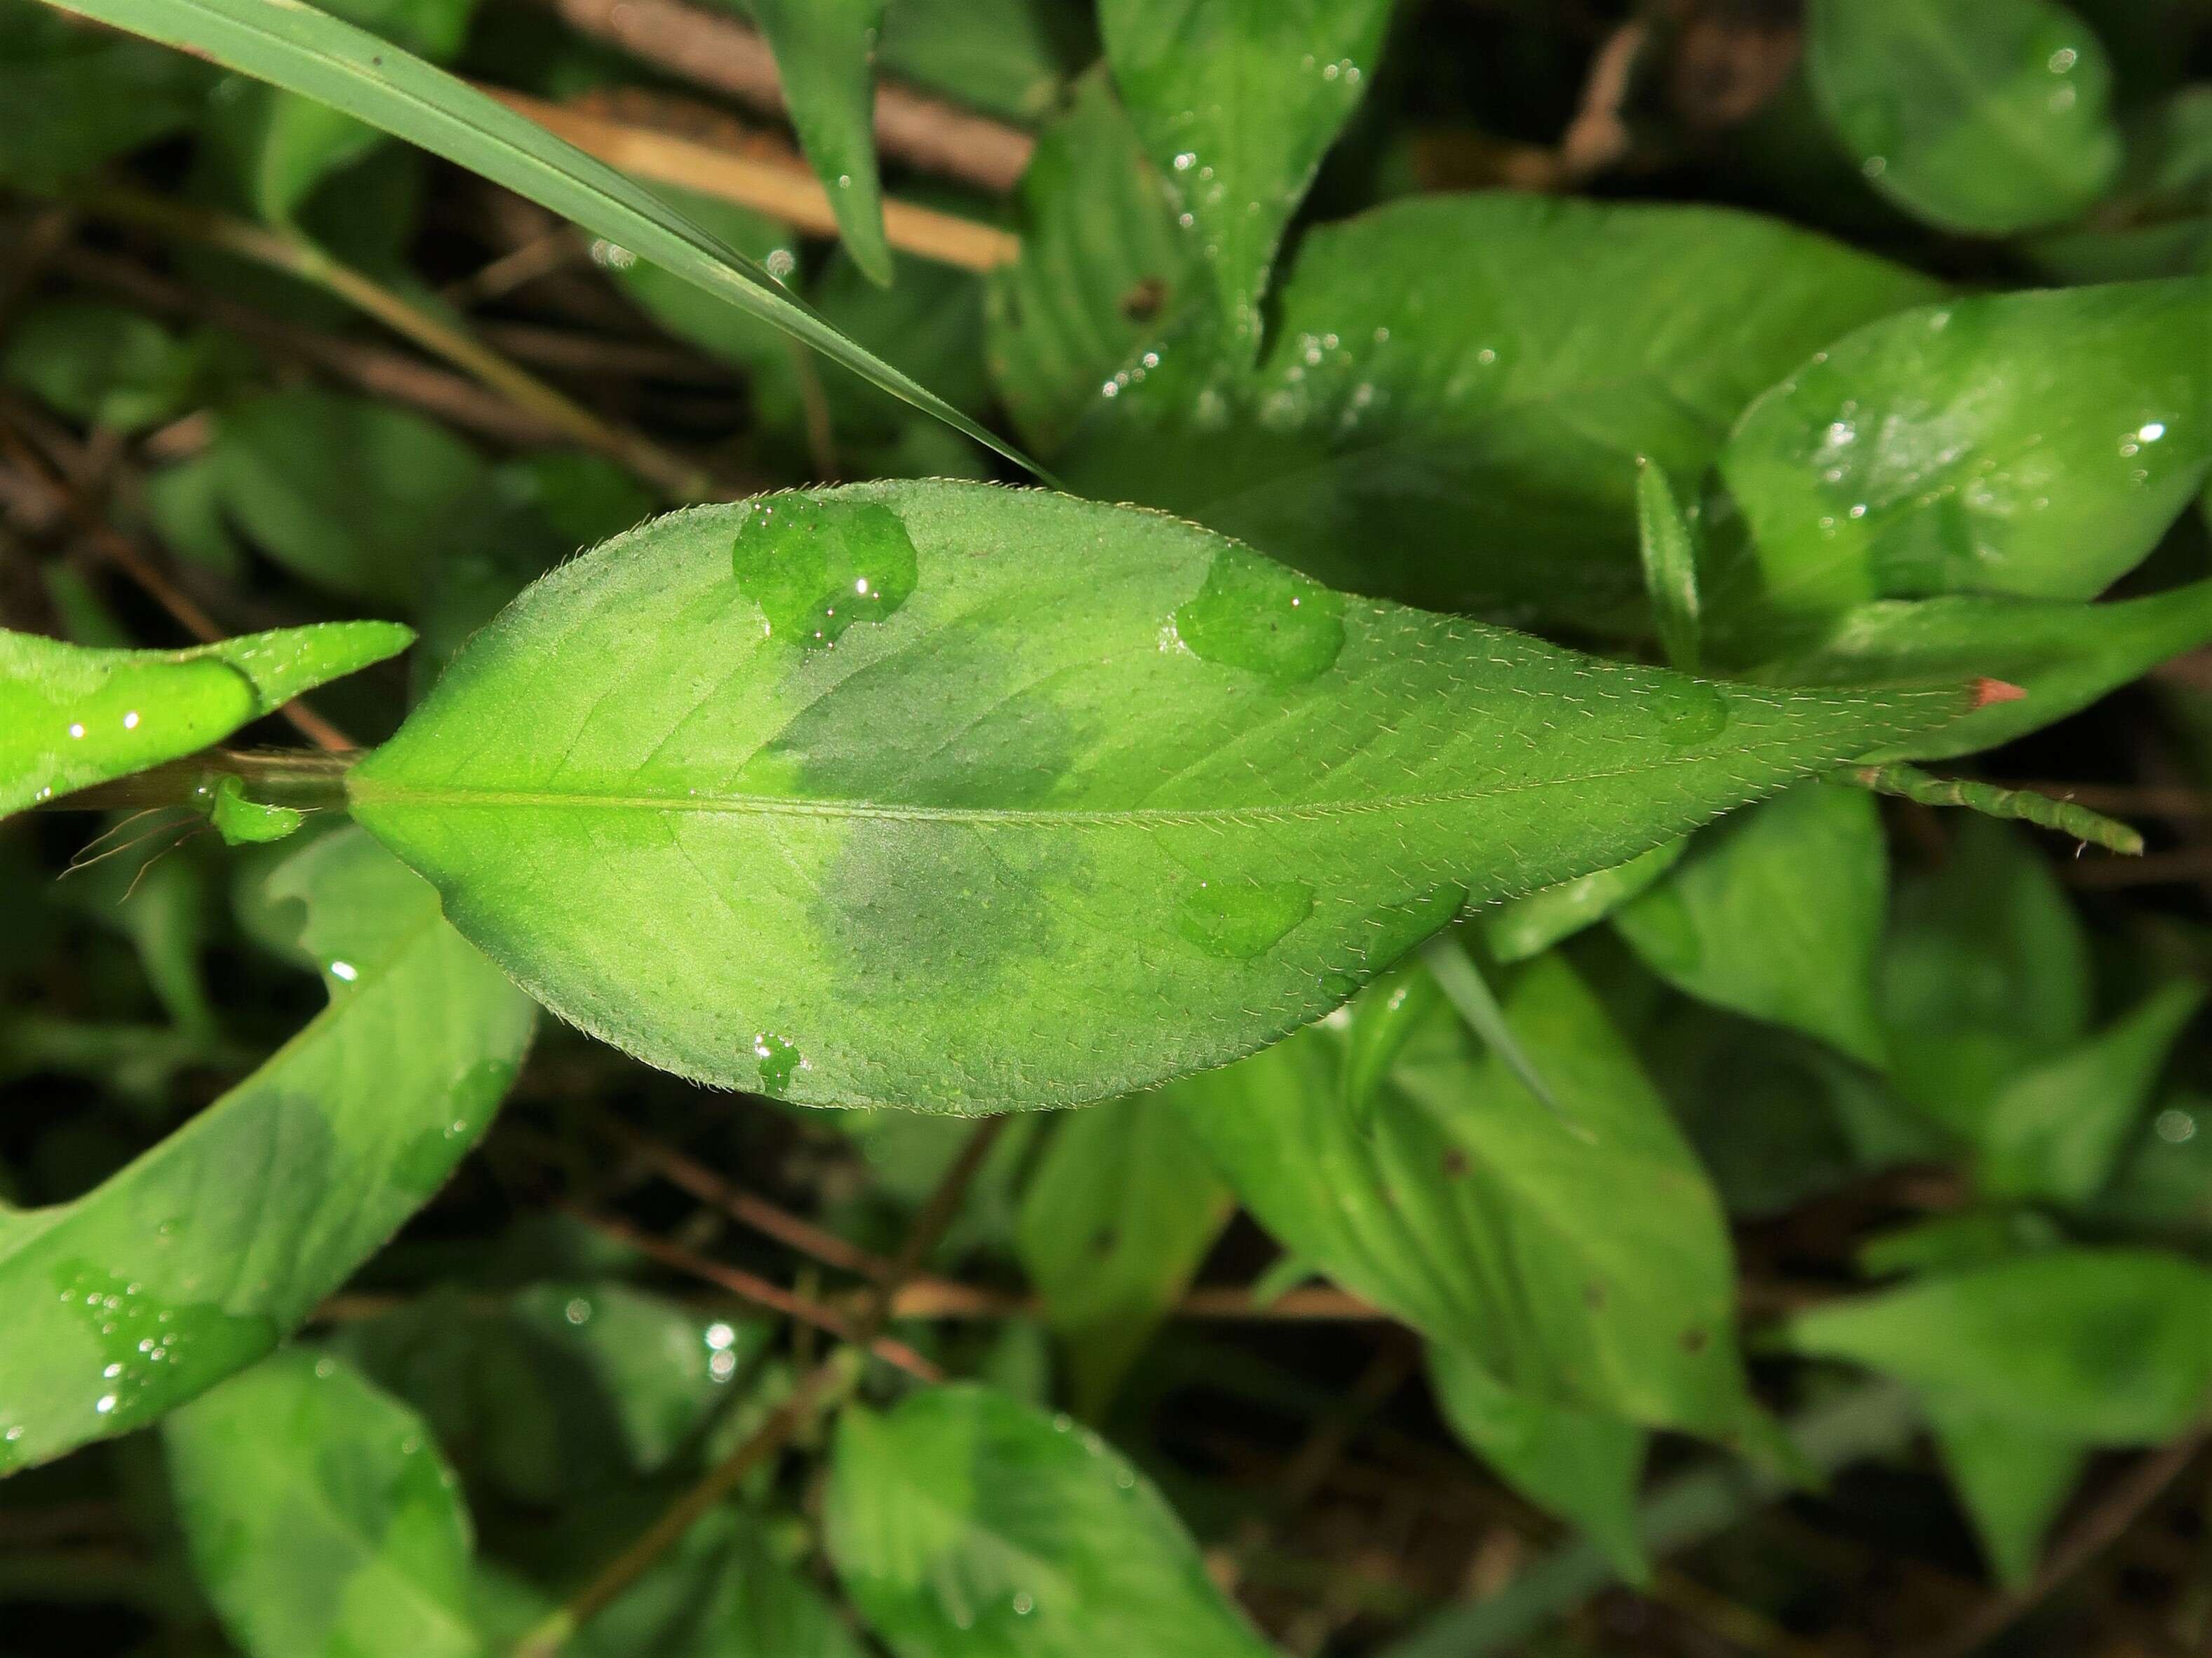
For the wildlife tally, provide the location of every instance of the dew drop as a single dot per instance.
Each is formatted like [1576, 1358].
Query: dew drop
[778, 1059]
[817, 567]
[1253, 614]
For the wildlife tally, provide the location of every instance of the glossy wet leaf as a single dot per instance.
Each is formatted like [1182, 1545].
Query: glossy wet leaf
[308, 51]
[2037, 444]
[1237, 100]
[951, 798]
[1778, 913]
[1985, 973]
[1576, 1254]
[71, 716]
[1581, 1467]
[825, 57]
[197, 1259]
[962, 1522]
[1121, 1209]
[1102, 269]
[2011, 1480]
[1481, 453]
[2107, 1346]
[2054, 1133]
[319, 1518]
[1982, 116]
[2064, 655]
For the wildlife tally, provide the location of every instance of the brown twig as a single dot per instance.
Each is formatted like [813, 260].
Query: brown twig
[789, 193]
[724, 56]
[1598, 135]
[2097, 1531]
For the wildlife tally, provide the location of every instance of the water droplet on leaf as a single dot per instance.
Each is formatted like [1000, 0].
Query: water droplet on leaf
[818, 566]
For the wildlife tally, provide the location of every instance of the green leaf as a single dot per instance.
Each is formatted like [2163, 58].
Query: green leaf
[721, 1594]
[1980, 116]
[1392, 444]
[2104, 1346]
[963, 1523]
[1004, 57]
[1119, 1213]
[319, 1518]
[2036, 443]
[1986, 973]
[70, 716]
[2155, 221]
[308, 51]
[2012, 1481]
[2055, 1132]
[1670, 566]
[847, 797]
[1521, 928]
[1778, 913]
[1101, 269]
[104, 365]
[1377, 1023]
[2064, 655]
[352, 495]
[195, 1260]
[1581, 1467]
[825, 56]
[1237, 100]
[71, 101]
[1578, 1256]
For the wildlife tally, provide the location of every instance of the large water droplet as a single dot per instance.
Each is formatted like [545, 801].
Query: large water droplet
[1253, 613]
[778, 1059]
[1243, 919]
[817, 566]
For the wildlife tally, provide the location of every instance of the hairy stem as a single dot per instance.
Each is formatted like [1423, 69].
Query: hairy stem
[2067, 817]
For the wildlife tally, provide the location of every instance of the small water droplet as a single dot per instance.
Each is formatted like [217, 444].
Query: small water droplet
[778, 1059]
[577, 1311]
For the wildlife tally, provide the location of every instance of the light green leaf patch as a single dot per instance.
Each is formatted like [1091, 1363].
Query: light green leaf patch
[71, 716]
[951, 798]
[194, 1260]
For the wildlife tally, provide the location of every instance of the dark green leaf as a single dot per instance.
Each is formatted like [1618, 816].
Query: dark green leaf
[1237, 100]
[321, 1523]
[1981, 116]
[71, 99]
[194, 1260]
[1521, 928]
[1778, 913]
[825, 57]
[962, 1523]
[843, 796]
[1005, 57]
[104, 365]
[1480, 454]
[70, 716]
[1670, 566]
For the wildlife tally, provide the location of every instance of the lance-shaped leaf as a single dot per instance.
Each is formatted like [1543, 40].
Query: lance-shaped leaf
[194, 1260]
[825, 54]
[309, 51]
[320, 1520]
[964, 1523]
[942, 796]
[1237, 100]
[71, 716]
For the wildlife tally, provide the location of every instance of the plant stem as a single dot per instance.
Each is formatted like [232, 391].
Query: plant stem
[2067, 817]
[300, 778]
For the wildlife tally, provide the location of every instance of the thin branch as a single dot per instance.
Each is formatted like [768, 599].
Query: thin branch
[2023, 806]
[723, 55]
[791, 194]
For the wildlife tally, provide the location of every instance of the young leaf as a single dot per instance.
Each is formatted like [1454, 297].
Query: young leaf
[195, 1260]
[2054, 1133]
[2107, 1346]
[1980, 116]
[1577, 1255]
[2036, 443]
[962, 1522]
[1670, 566]
[320, 1520]
[308, 51]
[71, 716]
[1237, 101]
[1121, 1211]
[1579, 1466]
[1986, 972]
[2064, 655]
[825, 56]
[2011, 1480]
[1102, 270]
[846, 796]
[1392, 444]
[1778, 914]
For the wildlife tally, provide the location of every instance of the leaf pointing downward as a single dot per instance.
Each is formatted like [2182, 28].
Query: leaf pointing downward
[942, 796]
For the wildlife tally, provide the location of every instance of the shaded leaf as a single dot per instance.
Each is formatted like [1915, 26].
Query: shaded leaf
[1521, 928]
[2012, 1481]
[1670, 566]
[863, 809]
[103, 364]
[825, 56]
[1982, 116]
[1007, 57]
[195, 1260]
[71, 716]
[962, 1522]
[71, 99]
